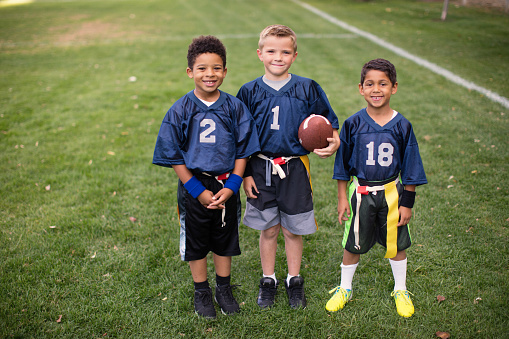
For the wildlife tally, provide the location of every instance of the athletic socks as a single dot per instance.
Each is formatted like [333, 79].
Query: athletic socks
[347, 273]
[201, 285]
[399, 272]
[222, 281]
[288, 277]
[272, 276]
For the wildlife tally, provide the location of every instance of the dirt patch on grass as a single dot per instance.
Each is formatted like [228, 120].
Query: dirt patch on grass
[86, 31]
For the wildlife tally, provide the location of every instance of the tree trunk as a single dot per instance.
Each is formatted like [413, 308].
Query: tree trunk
[444, 10]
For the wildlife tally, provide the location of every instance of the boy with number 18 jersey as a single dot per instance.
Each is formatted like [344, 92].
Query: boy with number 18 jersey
[380, 156]
[206, 137]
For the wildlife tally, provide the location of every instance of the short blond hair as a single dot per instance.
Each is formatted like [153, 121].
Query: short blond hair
[280, 31]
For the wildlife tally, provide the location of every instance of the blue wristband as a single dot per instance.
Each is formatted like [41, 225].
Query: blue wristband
[194, 187]
[233, 183]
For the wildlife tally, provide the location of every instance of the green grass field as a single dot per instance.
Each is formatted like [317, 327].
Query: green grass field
[89, 229]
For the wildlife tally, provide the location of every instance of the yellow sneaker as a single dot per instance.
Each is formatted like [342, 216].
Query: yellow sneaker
[339, 299]
[403, 303]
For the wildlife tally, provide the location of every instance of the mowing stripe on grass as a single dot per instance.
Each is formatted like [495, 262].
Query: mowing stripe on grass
[10, 44]
[401, 52]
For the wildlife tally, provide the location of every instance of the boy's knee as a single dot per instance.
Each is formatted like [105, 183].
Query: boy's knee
[290, 235]
[271, 232]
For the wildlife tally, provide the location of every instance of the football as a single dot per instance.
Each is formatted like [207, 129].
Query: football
[314, 131]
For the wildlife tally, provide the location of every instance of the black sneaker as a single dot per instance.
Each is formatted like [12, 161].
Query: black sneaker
[226, 301]
[267, 293]
[295, 290]
[203, 304]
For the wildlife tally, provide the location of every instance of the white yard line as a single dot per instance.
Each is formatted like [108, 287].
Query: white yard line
[401, 52]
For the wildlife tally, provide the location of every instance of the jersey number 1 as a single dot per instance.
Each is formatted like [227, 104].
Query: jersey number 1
[385, 152]
[275, 120]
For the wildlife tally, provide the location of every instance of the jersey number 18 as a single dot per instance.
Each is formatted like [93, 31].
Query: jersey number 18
[385, 152]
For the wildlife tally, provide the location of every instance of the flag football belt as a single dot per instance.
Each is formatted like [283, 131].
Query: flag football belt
[274, 166]
[219, 179]
[391, 196]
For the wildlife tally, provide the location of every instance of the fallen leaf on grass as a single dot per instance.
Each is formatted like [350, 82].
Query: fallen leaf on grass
[59, 320]
[443, 335]
[111, 153]
[440, 298]
[133, 219]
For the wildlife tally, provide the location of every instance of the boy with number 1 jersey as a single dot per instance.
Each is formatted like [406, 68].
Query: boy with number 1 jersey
[277, 181]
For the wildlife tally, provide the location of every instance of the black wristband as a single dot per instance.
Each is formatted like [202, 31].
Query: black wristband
[248, 172]
[407, 199]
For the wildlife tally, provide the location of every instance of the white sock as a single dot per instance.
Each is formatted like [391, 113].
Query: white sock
[399, 272]
[288, 277]
[273, 276]
[347, 272]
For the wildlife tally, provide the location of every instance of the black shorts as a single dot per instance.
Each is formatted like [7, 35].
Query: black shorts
[203, 230]
[372, 219]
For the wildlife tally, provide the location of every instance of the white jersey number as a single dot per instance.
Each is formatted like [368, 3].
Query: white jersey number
[275, 120]
[385, 152]
[205, 136]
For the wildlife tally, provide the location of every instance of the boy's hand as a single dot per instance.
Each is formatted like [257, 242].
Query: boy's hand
[220, 198]
[343, 211]
[249, 186]
[405, 214]
[206, 198]
[331, 149]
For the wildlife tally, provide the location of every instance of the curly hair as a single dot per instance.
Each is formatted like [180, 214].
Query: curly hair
[379, 65]
[280, 31]
[205, 44]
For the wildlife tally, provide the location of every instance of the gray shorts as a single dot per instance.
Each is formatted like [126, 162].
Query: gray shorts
[287, 201]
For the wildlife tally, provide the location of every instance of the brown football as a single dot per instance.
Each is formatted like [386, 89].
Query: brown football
[314, 131]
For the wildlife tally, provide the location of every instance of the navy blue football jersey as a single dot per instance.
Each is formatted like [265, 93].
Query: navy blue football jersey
[206, 139]
[278, 114]
[374, 153]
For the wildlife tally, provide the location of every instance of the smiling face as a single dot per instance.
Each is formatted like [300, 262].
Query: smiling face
[277, 55]
[208, 73]
[377, 90]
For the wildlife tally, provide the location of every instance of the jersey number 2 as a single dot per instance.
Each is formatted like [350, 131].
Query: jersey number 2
[205, 136]
[385, 152]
